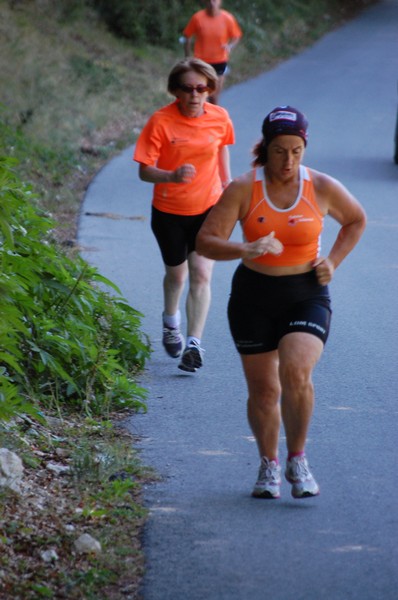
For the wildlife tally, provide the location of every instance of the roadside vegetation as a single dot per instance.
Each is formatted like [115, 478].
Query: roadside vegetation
[78, 79]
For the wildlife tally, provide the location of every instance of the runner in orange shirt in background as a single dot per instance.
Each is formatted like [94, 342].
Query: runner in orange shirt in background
[183, 150]
[215, 32]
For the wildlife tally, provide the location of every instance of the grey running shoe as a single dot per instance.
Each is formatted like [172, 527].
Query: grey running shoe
[192, 358]
[173, 341]
[269, 480]
[299, 475]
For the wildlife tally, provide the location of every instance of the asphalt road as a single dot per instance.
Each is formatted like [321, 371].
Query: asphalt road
[206, 538]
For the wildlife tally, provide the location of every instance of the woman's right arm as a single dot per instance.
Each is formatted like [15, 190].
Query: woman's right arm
[213, 240]
[152, 174]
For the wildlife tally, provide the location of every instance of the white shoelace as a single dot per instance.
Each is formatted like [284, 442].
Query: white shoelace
[269, 471]
[171, 336]
[300, 470]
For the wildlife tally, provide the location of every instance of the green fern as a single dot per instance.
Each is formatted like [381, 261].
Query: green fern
[63, 339]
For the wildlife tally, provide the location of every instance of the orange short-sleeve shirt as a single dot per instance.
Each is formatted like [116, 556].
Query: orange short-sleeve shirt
[212, 34]
[169, 140]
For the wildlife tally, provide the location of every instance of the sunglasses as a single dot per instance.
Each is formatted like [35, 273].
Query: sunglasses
[189, 89]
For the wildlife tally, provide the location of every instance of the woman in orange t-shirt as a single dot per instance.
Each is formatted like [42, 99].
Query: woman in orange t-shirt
[183, 150]
[215, 33]
[279, 308]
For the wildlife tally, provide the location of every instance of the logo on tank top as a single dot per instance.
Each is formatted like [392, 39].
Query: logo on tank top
[294, 219]
[261, 219]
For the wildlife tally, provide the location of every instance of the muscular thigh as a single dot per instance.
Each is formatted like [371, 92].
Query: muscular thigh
[312, 316]
[253, 331]
[261, 372]
[300, 350]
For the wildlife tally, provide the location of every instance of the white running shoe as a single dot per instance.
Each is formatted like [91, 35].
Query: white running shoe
[299, 475]
[269, 480]
[192, 358]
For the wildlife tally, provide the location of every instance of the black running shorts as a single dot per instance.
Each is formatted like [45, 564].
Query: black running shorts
[176, 234]
[262, 309]
[219, 68]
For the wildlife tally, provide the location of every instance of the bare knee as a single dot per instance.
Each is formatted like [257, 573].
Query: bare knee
[199, 280]
[298, 355]
[200, 274]
[296, 376]
[264, 398]
[176, 276]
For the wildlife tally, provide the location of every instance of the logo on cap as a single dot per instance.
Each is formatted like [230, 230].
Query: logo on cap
[283, 115]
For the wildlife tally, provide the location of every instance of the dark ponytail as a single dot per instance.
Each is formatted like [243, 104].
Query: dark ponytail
[260, 154]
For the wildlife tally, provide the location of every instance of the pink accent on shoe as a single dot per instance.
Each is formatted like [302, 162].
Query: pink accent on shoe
[294, 454]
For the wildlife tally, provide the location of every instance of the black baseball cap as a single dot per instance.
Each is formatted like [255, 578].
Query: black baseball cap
[284, 120]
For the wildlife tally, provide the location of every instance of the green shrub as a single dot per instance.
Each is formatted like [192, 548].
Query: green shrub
[161, 23]
[149, 22]
[65, 342]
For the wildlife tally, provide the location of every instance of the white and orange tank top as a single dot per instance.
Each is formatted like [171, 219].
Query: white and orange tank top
[298, 227]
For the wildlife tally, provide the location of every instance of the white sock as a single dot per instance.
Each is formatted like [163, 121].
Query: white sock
[172, 320]
[193, 341]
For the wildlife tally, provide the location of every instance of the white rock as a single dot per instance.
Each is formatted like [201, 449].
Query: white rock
[49, 555]
[86, 544]
[11, 470]
[55, 422]
[62, 452]
[57, 468]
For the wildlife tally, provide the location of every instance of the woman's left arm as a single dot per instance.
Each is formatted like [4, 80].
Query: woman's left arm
[342, 206]
[233, 42]
[224, 166]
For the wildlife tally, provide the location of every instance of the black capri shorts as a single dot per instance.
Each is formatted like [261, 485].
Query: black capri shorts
[263, 308]
[176, 234]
